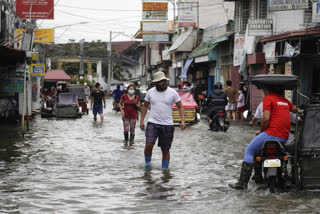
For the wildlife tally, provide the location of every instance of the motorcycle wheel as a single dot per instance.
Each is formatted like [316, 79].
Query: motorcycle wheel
[272, 184]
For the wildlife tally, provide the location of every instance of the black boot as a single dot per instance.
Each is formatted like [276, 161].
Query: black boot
[245, 175]
[126, 136]
[131, 138]
[257, 177]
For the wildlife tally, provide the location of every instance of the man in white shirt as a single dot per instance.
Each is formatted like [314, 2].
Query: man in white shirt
[160, 123]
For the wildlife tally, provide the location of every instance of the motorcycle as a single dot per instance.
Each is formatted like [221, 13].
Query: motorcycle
[47, 107]
[274, 161]
[202, 103]
[219, 122]
[116, 105]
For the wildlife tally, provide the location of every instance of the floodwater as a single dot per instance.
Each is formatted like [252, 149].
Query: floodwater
[81, 166]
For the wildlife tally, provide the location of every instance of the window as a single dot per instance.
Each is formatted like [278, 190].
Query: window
[261, 9]
[242, 15]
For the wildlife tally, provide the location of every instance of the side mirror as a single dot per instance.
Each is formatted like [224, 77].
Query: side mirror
[246, 114]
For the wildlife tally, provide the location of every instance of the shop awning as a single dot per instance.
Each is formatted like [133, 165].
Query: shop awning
[11, 56]
[185, 42]
[206, 47]
[186, 68]
[56, 75]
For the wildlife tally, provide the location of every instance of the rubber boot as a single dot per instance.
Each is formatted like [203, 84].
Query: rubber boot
[126, 136]
[131, 138]
[257, 173]
[245, 175]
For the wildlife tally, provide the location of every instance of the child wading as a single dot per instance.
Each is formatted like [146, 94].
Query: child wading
[129, 105]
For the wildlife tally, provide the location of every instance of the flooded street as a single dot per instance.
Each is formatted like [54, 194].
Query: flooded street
[81, 166]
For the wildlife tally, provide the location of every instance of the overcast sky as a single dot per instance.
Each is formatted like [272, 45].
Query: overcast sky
[103, 16]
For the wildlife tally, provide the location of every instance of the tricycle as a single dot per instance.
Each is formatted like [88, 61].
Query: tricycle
[67, 106]
[304, 158]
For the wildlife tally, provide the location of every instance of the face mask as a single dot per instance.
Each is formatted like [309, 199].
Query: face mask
[162, 86]
[131, 91]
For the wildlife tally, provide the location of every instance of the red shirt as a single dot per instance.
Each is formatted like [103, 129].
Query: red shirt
[279, 124]
[129, 106]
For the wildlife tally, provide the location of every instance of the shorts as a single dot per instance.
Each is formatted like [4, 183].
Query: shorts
[241, 109]
[97, 109]
[164, 134]
[230, 107]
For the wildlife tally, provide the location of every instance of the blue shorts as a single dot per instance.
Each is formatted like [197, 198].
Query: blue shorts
[97, 109]
[164, 134]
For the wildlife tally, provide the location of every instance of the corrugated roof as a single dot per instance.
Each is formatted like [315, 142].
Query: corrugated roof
[57, 75]
[205, 47]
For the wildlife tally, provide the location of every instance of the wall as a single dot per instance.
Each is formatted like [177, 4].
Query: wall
[255, 94]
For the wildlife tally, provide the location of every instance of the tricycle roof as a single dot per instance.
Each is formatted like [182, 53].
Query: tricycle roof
[288, 82]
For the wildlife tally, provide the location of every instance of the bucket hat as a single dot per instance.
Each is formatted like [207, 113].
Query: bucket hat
[158, 76]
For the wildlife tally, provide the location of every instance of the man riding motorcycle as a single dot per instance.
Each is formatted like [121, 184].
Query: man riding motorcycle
[275, 125]
[216, 102]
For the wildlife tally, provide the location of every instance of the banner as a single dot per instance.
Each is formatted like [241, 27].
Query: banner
[291, 51]
[156, 38]
[187, 14]
[238, 47]
[275, 5]
[37, 69]
[40, 9]
[269, 50]
[40, 35]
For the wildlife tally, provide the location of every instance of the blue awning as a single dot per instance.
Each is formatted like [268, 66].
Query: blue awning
[186, 68]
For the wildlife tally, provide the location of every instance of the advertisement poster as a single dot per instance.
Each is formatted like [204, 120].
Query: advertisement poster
[238, 47]
[155, 6]
[154, 27]
[40, 35]
[37, 70]
[40, 9]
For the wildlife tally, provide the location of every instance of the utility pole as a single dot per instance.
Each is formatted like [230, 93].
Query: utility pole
[109, 49]
[81, 71]
[173, 2]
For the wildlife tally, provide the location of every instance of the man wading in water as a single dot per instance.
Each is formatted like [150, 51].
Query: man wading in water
[97, 97]
[160, 122]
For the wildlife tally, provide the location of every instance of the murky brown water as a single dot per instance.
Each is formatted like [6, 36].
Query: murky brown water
[78, 166]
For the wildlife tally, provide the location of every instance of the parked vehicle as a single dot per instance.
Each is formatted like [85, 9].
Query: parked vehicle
[219, 122]
[67, 106]
[190, 109]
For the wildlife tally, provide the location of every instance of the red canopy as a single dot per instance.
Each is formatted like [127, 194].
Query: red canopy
[57, 75]
[187, 100]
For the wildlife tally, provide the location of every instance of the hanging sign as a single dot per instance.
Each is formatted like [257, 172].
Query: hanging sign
[155, 6]
[274, 5]
[37, 69]
[187, 14]
[35, 9]
[154, 15]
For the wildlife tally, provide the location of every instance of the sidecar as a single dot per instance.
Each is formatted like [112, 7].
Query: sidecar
[67, 106]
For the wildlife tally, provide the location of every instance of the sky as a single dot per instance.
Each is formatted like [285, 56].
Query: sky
[104, 16]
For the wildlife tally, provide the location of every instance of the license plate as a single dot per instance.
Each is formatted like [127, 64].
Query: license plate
[272, 163]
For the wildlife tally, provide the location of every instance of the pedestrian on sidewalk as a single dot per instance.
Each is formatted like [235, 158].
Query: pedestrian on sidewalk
[160, 123]
[240, 104]
[231, 95]
[129, 105]
[97, 96]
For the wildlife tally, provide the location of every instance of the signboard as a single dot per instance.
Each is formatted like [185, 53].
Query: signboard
[316, 12]
[40, 35]
[154, 27]
[40, 9]
[288, 71]
[156, 38]
[187, 14]
[238, 47]
[12, 86]
[269, 49]
[274, 5]
[155, 6]
[155, 15]
[260, 27]
[37, 69]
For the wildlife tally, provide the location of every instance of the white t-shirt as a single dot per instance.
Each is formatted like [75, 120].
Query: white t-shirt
[161, 105]
[242, 103]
